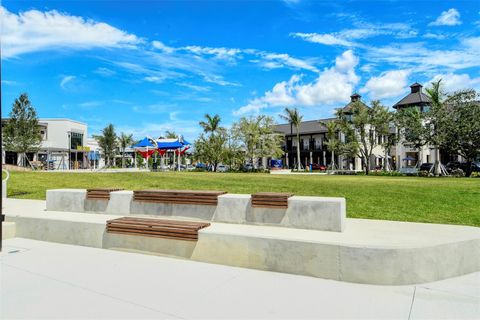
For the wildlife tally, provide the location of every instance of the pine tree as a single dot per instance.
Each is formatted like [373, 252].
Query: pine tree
[21, 133]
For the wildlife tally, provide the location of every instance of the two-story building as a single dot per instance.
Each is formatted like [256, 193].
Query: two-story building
[313, 148]
[63, 146]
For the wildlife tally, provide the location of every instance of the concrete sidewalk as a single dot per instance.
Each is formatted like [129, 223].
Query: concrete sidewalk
[49, 280]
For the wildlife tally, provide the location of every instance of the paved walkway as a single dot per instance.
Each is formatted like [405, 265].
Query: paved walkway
[49, 280]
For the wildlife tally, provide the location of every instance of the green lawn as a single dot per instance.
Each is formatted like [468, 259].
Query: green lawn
[435, 200]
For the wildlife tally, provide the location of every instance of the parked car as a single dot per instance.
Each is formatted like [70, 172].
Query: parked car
[247, 167]
[408, 171]
[475, 166]
[317, 166]
[201, 166]
[222, 168]
[453, 165]
[426, 166]
[190, 167]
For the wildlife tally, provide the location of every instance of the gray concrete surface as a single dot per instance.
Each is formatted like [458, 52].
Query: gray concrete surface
[369, 251]
[8, 230]
[72, 200]
[57, 281]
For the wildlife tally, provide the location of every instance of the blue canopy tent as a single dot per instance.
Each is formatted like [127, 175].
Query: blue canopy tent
[173, 144]
[145, 147]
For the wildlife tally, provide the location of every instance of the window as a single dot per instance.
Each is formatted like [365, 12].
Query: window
[76, 139]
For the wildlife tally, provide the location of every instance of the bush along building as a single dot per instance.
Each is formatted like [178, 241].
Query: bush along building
[313, 137]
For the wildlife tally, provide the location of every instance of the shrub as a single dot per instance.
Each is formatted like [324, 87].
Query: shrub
[423, 173]
[475, 175]
[457, 173]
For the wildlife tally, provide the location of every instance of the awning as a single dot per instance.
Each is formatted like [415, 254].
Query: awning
[145, 143]
[169, 144]
[93, 155]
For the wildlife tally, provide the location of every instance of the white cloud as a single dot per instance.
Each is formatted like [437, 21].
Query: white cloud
[90, 104]
[451, 17]
[453, 82]
[425, 59]
[34, 30]
[9, 82]
[221, 53]
[105, 72]
[277, 60]
[388, 85]
[333, 85]
[188, 129]
[437, 36]
[327, 39]
[194, 87]
[65, 80]
[161, 46]
[349, 37]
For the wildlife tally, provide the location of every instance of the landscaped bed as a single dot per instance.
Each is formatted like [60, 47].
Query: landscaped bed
[433, 200]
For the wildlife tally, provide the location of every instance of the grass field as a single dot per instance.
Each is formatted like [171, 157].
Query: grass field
[435, 200]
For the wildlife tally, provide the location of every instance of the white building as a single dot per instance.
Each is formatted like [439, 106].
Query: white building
[64, 145]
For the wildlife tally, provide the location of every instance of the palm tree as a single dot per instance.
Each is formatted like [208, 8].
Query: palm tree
[436, 95]
[124, 140]
[332, 140]
[108, 142]
[171, 134]
[212, 123]
[294, 118]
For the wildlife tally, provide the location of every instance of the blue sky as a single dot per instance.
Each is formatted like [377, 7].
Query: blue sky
[153, 66]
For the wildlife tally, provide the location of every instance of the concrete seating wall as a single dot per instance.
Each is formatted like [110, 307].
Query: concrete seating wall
[317, 213]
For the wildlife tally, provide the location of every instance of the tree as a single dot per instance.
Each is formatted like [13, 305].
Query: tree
[108, 143]
[21, 133]
[386, 138]
[436, 123]
[360, 126]
[332, 141]
[258, 137]
[460, 126]
[212, 123]
[211, 148]
[294, 118]
[124, 140]
[171, 134]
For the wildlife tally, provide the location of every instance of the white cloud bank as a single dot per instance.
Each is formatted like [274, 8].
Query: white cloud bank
[451, 17]
[388, 85]
[333, 85]
[33, 31]
[453, 82]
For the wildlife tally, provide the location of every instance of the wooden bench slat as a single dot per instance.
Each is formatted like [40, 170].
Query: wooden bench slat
[160, 222]
[271, 199]
[140, 231]
[100, 193]
[199, 197]
[154, 228]
[170, 229]
[154, 236]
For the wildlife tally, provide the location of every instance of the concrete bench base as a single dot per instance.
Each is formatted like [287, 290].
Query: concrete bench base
[369, 251]
[8, 230]
[317, 213]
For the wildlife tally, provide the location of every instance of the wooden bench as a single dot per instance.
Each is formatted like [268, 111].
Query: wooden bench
[100, 193]
[271, 199]
[178, 196]
[169, 229]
